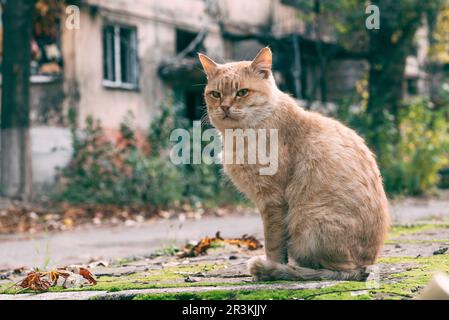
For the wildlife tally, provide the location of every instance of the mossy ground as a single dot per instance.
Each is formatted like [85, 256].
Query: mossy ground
[400, 285]
[157, 278]
[405, 267]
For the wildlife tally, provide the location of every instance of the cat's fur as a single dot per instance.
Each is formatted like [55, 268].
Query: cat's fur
[325, 208]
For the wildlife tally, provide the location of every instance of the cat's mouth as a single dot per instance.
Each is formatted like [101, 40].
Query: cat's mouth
[227, 117]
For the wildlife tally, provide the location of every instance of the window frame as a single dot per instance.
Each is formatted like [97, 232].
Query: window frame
[118, 83]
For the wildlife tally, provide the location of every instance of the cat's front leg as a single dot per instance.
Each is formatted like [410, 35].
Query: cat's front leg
[275, 233]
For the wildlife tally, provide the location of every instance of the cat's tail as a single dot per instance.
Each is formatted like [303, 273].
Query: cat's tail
[265, 270]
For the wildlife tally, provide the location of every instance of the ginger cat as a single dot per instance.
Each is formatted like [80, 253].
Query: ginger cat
[325, 208]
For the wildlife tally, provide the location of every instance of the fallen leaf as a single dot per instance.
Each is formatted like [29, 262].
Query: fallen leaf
[85, 273]
[54, 275]
[205, 243]
[249, 241]
[35, 281]
[43, 280]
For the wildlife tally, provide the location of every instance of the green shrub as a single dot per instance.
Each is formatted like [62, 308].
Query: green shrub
[423, 149]
[202, 184]
[101, 172]
[413, 148]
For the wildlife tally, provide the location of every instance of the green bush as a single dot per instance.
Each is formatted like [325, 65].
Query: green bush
[422, 151]
[414, 147]
[202, 184]
[101, 172]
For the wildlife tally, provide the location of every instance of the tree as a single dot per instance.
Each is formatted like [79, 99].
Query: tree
[386, 49]
[15, 159]
[389, 47]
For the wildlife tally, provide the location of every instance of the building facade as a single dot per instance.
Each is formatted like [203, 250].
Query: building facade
[128, 56]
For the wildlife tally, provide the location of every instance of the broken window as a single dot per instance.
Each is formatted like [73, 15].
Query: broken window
[119, 56]
[192, 100]
[183, 39]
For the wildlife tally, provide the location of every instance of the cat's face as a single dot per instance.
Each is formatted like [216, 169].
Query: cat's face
[239, 94]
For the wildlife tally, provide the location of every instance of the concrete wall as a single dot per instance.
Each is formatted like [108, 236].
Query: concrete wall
[50, 137]
[156, 22]
[51, 148]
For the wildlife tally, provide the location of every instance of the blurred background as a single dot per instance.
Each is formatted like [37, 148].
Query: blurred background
[92, 89]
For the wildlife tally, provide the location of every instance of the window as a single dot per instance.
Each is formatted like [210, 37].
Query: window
[412, 86]
[119, 57]
[183, 39]
[193, 101]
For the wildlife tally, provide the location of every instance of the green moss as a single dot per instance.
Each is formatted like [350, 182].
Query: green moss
[162, 278]
[398, 285]
[404, 284]
[403, 230]
[416, 241]
[338, 291]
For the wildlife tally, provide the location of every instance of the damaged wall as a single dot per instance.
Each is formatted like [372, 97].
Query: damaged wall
[50, 137]
[155, 24]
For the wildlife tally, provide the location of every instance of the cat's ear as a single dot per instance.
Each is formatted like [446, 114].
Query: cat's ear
[262, 62]
[209, 65]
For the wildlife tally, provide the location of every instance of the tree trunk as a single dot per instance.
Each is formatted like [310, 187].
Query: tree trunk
[15, 160]
[386, 78]
[387, 58]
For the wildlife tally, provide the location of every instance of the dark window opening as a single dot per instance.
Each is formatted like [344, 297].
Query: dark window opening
[119, 56]
[193, 101]
[183, 39]
[412, 86]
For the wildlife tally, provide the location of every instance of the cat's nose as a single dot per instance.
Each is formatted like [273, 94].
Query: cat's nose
[225, 108]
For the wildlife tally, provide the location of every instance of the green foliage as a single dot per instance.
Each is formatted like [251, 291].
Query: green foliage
[101, 172]
[121, 173]
[423, 149]
[202, 183]
[413, 148]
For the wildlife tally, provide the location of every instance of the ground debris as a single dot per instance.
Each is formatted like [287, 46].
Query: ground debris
[66, 277]
[441, 250]
[63, 217]
[249, 242]
[44, 217]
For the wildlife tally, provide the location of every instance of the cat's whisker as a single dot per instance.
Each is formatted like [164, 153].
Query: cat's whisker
[205, 120]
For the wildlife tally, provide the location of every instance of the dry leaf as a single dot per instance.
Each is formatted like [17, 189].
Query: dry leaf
[35, 281]
[88, 275]
[205, 243]
[85, 273]
[42, 281]
[249, 241]
[54, 275]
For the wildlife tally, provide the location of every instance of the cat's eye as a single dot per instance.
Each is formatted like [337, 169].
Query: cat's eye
[215, 94]
[242, 93]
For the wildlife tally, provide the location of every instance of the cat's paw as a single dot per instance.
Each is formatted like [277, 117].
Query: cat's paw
[255, 266]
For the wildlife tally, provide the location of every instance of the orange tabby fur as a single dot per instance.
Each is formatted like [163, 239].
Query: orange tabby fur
[325, 208]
